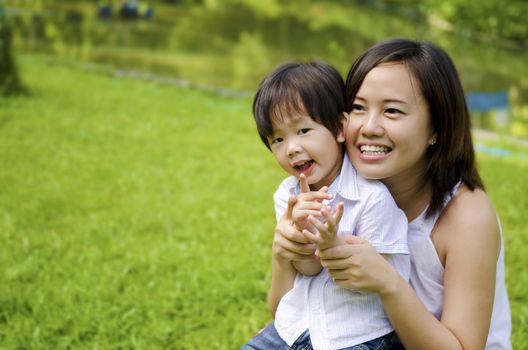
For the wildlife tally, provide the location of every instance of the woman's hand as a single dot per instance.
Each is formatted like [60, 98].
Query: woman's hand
[358, 266]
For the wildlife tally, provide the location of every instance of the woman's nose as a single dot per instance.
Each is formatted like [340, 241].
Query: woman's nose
[372, 125]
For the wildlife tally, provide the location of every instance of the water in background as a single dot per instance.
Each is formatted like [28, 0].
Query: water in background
[234, 46]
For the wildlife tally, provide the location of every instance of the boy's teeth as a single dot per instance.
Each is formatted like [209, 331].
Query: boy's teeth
[303, 165]
[374, 149]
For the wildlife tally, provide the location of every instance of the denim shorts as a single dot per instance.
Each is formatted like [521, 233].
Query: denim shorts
[268, 338]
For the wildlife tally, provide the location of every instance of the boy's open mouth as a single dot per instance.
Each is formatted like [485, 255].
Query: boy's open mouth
[304, 166]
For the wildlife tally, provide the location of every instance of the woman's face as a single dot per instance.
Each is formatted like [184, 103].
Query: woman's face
[389, 127]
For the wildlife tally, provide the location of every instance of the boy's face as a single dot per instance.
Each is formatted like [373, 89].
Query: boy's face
[303, 146]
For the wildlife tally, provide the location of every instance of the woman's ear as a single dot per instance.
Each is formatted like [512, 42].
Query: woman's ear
[344, 122]
[432, 139]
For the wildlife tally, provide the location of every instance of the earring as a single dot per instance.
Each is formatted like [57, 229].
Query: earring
[433, 141]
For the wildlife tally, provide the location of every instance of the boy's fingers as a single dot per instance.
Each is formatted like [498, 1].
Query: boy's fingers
[304, 183]
[291, 203]
[315, 196]
[318, 225]
[339, 213]
[311, 237]
[308, 205]
[306, 212]
[330, 221]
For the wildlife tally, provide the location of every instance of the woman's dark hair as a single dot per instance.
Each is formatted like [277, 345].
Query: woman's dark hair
[315, 88]
[452, 157]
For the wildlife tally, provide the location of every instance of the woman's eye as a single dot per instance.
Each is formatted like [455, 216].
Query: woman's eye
[357, 108]
[393, 111]
[304, 131]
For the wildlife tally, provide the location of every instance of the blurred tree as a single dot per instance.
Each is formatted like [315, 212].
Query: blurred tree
[486, 18]
[502, 22]
[10, 83]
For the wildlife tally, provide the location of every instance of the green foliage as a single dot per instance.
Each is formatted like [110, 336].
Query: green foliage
[138, 215]
[493, 20]
[487, 18]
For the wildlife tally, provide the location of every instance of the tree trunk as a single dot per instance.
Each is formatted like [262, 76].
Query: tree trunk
[10, 83]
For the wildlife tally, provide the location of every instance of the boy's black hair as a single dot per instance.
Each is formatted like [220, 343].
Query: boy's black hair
[314, 88]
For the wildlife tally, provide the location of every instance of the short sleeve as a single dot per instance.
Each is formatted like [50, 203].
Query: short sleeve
[383, 224]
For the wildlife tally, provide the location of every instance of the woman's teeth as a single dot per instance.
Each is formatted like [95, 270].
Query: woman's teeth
[374, 149]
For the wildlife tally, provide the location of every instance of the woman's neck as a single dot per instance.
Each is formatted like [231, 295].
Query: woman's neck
[411, 196]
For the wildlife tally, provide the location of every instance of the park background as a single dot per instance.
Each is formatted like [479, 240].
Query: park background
[135, 201]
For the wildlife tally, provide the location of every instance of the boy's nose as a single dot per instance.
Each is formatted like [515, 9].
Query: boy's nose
[293, 148]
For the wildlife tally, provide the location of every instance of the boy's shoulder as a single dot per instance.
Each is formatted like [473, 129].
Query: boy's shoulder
[289, 182]
[286, 187]
[365, 188]
[371, 185]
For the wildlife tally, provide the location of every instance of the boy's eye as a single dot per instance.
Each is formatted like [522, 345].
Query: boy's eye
[276, 141]
[303, 131]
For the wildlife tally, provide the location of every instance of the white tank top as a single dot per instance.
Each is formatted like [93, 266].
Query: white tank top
[427, 279]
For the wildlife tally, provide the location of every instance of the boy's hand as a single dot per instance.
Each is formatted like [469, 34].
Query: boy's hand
[308, 203]
[325, 235]
[288, 242]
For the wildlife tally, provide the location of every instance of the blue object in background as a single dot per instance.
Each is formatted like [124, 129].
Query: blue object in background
[494, 151]
[487, 101]
[105, 11]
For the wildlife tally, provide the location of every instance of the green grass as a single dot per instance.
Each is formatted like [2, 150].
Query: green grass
[139, 215]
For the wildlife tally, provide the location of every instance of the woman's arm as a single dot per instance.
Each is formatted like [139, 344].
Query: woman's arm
[467, 240]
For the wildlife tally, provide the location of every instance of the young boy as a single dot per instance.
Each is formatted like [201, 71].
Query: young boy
[299, 112]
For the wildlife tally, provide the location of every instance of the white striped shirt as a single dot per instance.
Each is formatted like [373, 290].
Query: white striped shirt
[337, 317]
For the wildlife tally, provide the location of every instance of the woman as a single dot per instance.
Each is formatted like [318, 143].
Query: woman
[409, 127]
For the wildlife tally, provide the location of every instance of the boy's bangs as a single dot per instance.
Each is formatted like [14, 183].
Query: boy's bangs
[289, 106]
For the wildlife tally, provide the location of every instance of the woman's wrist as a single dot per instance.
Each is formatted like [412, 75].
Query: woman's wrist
[279, 260]
[392, 285]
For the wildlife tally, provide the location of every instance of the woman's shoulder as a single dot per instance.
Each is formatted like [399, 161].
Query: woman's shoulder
[469, 207]
[469, 221]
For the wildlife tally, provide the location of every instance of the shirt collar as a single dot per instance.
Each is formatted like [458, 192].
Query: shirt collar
[345, 184]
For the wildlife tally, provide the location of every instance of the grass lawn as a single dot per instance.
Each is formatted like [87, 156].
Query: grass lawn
[139, 215]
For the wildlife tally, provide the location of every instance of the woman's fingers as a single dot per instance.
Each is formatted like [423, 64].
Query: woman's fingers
[336, 264]
[342, 251]
[293, 251]
[289, 232]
